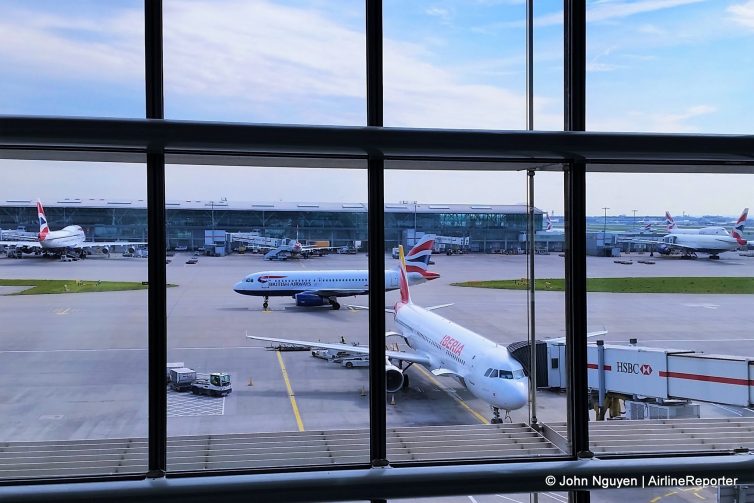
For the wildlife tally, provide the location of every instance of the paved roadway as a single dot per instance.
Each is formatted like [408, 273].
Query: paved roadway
[75, 365]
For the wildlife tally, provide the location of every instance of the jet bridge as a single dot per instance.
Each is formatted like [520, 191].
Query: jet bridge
[665, 375]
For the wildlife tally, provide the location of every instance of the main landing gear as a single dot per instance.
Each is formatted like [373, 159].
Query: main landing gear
[496, 419]
[334, 303]
[714, 257]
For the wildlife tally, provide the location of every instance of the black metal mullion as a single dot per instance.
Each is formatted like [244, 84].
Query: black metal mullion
[575, 202]
[157, 309]
[376, 233]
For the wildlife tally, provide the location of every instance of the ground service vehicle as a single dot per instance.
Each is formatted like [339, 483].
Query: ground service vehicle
[213, 384]
[356, 361]
[181, 378]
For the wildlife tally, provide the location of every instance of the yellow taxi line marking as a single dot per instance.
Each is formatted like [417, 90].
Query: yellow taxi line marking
[291, 396]
[452, 393]
[655, 499]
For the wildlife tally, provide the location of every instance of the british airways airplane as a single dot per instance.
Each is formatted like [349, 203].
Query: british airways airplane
[314, 288]
[484, 367]
[712, 243]
[68, 239]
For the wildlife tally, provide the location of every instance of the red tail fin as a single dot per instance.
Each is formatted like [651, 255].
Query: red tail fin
[403, 279]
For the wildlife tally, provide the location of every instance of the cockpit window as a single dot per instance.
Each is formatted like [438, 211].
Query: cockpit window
[518, 374]
[250, 280]
[493, 373]
[487, 374]
[506, 374]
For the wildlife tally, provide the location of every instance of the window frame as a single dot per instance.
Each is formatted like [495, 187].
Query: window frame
[575, 150]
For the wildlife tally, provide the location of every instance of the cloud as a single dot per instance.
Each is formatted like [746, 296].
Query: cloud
[742, 13]
[443, 14]
[599, 11]
[656, 122]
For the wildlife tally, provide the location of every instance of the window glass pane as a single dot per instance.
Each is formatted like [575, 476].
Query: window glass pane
[298, 232]
[465, 326]
[454, 65]
[297, 62]
[73, 307]
[74, 58]
[681, 67]
[674, 302]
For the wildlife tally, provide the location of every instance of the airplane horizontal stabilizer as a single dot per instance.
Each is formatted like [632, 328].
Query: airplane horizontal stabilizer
[445, 372]
[439, 306]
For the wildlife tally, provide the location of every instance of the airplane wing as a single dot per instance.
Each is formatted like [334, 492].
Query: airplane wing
[341, 292]
[110, 244]
[20, 244]
[398, 355]
[588, 335]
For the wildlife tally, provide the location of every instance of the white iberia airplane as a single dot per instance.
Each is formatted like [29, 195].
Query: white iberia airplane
[314, 288]
[68, 239]
[713, 244]
[484, 367]
[674, 229]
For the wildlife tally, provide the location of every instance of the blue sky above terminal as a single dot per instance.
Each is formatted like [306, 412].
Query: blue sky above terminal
[653, 65]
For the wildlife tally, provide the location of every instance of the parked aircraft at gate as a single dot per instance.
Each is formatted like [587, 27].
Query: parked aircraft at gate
[314, 288]
[713, 244]
[484, 367]
[66, 240]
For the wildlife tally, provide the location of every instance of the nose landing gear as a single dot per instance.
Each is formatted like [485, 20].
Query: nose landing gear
[266, 304]
[496, 419]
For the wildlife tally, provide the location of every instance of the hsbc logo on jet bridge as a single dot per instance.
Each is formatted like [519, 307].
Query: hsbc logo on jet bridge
[633, 368]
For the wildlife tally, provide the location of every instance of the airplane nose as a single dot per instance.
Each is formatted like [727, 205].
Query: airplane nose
[238, 287]
[517, 395]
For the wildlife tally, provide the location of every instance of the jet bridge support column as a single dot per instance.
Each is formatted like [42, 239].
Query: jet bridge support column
[601, 380]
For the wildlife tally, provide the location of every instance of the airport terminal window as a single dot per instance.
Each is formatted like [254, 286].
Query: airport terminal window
[647, 72]
[670, 272]
[73, 58]
[259, 402]
[288, 71]
[73, 308]
[266, 398]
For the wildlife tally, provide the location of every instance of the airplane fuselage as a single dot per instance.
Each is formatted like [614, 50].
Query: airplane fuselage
[468, 356]
[67, 237]
[287, 283]
[704, 231]
[711, 244]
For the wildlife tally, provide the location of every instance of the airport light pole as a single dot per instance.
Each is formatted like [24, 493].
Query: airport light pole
[604, 223]
[634, 218]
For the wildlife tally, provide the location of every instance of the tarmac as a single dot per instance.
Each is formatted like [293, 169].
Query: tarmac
[75, 365]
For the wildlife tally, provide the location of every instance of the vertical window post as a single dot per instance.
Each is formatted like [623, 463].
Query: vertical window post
[157, 345]
[376, 233]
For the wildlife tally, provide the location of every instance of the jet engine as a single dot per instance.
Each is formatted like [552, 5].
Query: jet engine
[309, 299]
[106, 250]
[131, 249]
[664, 249]
[393, 378]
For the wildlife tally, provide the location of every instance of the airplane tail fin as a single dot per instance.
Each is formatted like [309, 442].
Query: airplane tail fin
[549, 222]
[43, 228]
[738, 230]
[403, 279]
[669, 221]
[418, 257]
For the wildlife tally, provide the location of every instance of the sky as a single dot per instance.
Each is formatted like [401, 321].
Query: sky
[682, 66]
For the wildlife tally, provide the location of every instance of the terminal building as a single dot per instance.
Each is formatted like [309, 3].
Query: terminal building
[489, 228]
